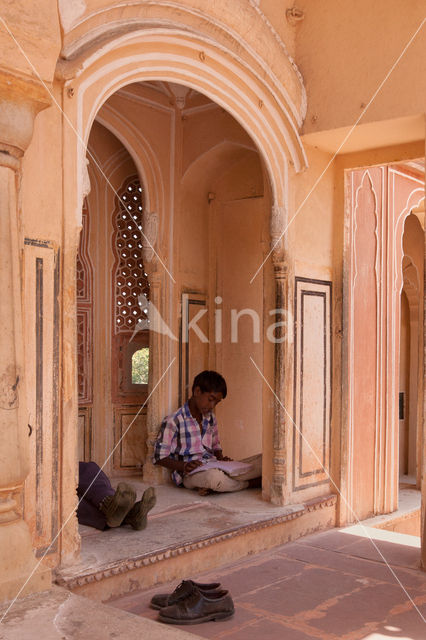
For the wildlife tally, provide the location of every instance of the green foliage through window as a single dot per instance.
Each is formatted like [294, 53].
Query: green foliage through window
[140, 366]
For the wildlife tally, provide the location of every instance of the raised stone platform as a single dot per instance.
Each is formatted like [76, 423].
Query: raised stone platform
[187, 534]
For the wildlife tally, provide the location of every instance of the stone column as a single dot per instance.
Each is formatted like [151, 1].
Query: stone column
[422, 426]
[279, 461]
[150, 222]
[152, 473]
[279, 448]
[20, 101]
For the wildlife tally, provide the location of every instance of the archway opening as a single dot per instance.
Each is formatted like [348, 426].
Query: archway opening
[384, 257]
[112, 290]
[203, 174]
[411, 351]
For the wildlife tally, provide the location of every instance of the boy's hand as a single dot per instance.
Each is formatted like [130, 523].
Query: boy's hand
[190, 466]
[219, 455]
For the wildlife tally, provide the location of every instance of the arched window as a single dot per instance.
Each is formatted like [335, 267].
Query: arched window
[130, 291]
[129, 280]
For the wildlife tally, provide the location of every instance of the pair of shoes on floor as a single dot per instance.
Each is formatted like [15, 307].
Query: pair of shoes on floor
[122, 508]
[193, 602]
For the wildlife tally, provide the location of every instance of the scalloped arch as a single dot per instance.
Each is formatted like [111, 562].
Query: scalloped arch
[178, 42]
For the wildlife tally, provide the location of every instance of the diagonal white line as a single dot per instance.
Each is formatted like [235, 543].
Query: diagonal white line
[320, 177]
[79, 138]
[73, 511]
[338, 490]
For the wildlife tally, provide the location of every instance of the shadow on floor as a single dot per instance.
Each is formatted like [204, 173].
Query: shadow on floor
[334, 585]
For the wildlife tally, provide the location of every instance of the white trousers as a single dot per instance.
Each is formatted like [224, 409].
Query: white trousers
[218, 480]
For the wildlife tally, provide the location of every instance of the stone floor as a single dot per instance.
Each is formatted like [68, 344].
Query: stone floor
[180, 516]
[328, 586]
[60, 615]
[358, 583]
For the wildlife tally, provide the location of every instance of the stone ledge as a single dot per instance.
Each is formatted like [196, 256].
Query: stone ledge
[75, 577]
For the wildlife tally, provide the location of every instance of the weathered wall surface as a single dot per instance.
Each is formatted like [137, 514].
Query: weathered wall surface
[344, 52]
[213, 186]
[30, 37]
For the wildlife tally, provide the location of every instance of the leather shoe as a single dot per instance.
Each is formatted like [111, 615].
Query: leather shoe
[199, 607]
[183, 590]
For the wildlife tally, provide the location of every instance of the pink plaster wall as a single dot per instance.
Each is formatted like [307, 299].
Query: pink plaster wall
[344, 52]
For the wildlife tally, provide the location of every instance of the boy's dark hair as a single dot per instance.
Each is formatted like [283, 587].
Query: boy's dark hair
[210, 381]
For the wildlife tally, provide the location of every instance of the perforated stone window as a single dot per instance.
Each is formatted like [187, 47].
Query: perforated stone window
[130, 278]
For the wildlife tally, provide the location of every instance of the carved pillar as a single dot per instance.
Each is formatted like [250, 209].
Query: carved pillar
[20, 101]
[279, 462]
[151, 473]
[422, 426]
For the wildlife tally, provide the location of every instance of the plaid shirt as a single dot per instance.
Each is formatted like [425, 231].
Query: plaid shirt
[181, 439]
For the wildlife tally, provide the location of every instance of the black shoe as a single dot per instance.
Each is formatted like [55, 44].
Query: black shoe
[199, 607]
[137, 516]
[116, 507]
[183, 590]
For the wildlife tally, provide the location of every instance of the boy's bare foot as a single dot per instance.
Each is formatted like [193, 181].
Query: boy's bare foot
[116, 507]
[137, 516]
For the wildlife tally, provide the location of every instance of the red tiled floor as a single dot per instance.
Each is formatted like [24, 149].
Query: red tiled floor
[365, 568]
[373, 603]
[316, 588]
[243, 579]
[230, 628]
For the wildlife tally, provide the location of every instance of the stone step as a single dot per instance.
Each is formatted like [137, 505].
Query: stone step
[188, 538]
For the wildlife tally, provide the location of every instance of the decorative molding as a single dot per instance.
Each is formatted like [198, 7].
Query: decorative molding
[150, 224]
[39, 396]
[294, 15]
[85, 179]
[42, 318]
[137, 98]
[130, 434]
[22, 98]
[84, 263]
[211, 106]
[84, 355]
[192, 303]
[9, 161]
[85, 434]
[134, 21]
[180, 93]
[10, 504]
[313, 292]
[277, 225]
[130, 564]
[84, 312]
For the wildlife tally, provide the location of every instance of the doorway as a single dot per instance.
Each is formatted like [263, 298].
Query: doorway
[411, 350]
[381, 199]
[112, 290]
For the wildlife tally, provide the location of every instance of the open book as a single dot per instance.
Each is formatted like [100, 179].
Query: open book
[231, 467]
